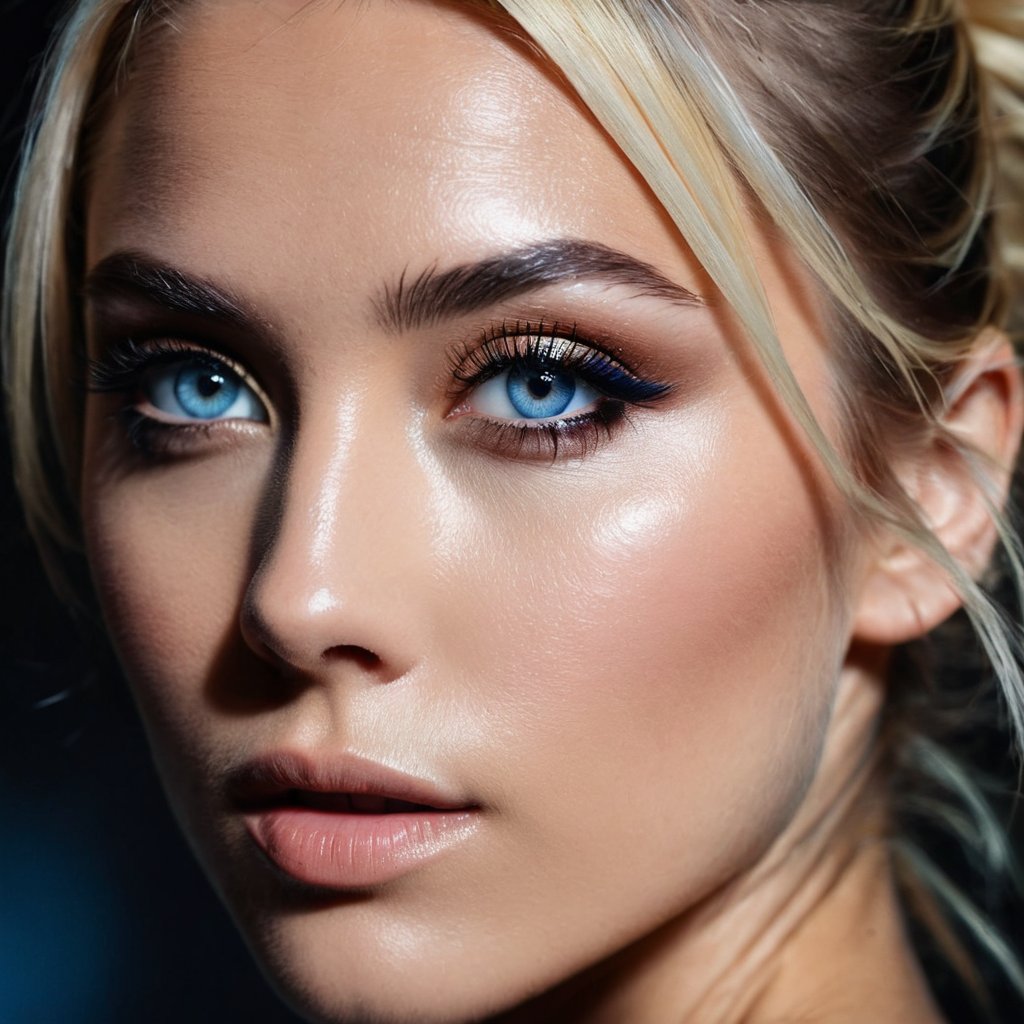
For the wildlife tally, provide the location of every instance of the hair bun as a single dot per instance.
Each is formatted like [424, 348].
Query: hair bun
[996, 28]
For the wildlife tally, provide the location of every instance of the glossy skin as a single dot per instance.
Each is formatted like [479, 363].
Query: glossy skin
[626, 656]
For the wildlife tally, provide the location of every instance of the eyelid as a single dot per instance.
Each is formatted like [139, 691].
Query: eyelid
[123, 363]
[575, 434]
[509, 345]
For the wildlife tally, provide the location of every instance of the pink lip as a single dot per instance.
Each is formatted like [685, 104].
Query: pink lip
[301, 814]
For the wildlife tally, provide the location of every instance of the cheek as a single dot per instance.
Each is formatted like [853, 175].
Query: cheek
[169, 549]
[660, 652]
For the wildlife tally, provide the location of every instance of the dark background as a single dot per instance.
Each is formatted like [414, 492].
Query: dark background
[104, 917]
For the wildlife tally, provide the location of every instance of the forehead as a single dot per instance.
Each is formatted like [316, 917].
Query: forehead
[370, 134]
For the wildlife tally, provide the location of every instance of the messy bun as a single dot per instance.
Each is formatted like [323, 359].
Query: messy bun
[997, 32]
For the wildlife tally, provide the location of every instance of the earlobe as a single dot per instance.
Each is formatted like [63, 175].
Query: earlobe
[955, 482]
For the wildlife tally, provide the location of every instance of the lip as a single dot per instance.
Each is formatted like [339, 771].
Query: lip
[344, 822]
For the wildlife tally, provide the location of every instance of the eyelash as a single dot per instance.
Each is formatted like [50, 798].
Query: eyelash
[534, 347]
[121, 372]
[522, 346]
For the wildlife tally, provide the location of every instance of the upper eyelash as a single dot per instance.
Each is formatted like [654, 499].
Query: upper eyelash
[522, 344]
[532, 345]
[119, 368]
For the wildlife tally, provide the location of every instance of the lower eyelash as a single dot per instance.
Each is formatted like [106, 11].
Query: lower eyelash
[574, 437]
[154, 439]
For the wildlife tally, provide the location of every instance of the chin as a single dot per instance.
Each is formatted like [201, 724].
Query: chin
[325, 986]
[346, 960]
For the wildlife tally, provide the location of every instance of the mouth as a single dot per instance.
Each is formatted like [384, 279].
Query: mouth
[343, 783]
[345, 822]
[354, 803]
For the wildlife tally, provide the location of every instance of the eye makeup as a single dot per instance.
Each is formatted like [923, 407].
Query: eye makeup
[519, 390]
[540, 369]
[175, 393]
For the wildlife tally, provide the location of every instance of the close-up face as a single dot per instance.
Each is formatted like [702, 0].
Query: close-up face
[484, 606]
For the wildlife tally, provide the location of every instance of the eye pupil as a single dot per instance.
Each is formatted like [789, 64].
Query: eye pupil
[205, 392]
[540, 386]
[209, 384]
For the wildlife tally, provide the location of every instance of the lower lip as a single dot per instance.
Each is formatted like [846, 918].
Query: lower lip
[350, 851]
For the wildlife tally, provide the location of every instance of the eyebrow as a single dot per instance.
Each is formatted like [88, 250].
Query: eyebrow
[436, 295]
[135, 274]
[432, 296]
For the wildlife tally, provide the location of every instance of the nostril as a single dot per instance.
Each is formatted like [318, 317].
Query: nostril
[361, 656]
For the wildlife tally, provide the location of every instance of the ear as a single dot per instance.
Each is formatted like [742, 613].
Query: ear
[904, 594]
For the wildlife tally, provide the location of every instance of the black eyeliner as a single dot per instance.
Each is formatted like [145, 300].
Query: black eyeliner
[121, 367]
[533, 347]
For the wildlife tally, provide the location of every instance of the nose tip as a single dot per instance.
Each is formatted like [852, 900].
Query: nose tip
[341, 550]
[304, 641]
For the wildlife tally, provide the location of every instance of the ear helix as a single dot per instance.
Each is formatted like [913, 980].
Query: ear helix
[958, 484]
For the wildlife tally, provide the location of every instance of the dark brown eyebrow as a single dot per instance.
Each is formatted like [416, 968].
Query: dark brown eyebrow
[426, 299]
[134, 274]
[435, 295]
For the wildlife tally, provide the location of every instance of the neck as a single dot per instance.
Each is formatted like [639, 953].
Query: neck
[812, 932]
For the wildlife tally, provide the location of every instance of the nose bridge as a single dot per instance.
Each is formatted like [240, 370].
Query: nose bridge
[345, 541]
[314, 509]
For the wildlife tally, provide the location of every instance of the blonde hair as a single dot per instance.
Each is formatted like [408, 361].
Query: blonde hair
[884, 139]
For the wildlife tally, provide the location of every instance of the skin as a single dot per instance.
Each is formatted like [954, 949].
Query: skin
[642, 662]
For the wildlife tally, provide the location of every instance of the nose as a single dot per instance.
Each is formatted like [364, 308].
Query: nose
[342, 552]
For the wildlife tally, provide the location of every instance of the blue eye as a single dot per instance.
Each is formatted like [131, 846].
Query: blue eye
[201, 389]
[533, 392]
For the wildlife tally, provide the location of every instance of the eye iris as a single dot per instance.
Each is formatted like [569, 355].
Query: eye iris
[539, 392]
[205, 391]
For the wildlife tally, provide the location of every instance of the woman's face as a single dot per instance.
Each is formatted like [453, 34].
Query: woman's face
[424, 465]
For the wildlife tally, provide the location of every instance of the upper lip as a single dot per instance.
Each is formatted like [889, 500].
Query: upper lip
[284, 776]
